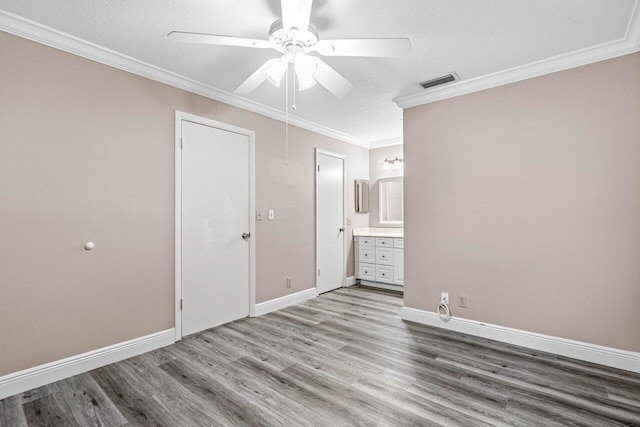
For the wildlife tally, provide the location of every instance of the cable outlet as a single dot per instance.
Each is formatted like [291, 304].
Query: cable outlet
[288, 282]
[444, 299]
[462, 301]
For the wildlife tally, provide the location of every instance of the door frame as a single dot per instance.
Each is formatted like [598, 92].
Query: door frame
[345, 257]
[181, 116]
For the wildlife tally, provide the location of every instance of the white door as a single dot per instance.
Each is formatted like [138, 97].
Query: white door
[215, 214]
[330, 221]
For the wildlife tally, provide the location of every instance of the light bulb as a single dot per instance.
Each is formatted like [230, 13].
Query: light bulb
[386, 165]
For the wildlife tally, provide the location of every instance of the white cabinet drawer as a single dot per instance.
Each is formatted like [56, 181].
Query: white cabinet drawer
[384, 242]
[367, 254]
[384, 256]
[384, 274]
[367, 272]
[398, 243]
[367, 241]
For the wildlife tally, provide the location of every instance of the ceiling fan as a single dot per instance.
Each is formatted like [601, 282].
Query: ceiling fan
[296, 38]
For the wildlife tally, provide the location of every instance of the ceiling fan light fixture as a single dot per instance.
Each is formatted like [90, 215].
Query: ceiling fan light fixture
[275, 72]
[305, 67]
[305, 82]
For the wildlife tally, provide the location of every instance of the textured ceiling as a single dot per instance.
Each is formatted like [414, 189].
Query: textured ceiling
[471, 37]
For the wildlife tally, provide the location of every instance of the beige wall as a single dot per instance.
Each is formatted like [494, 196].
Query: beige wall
[526, 198]
[86, 153]
[376, 158]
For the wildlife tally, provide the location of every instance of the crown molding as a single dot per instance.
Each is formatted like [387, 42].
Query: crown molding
[386, 143]
[630, 43]
[633, 30]
[48, 36]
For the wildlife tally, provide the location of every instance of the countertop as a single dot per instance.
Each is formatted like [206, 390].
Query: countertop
[378, 232]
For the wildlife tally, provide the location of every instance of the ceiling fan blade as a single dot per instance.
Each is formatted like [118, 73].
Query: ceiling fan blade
[181, 36]
[386, 48]
[331, 79]
[255, 79]
[296, 13]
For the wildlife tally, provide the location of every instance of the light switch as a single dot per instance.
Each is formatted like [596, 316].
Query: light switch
[348, 220]
[258, 215]
[272, 214]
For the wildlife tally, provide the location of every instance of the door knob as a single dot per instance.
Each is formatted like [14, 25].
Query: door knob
[246, 236]
[341, 230]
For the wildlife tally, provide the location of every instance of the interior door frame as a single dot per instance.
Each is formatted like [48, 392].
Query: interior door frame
[320, 151]
[181, 116]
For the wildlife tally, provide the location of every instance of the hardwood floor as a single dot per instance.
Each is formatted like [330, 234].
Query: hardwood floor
[345, 358]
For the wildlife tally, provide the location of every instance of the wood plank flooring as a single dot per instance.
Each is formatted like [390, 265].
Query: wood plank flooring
[344, 358]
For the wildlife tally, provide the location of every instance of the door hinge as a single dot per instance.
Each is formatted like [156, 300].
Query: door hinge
[181, 143]
[318, 272]
[318, 168]
[181, 303]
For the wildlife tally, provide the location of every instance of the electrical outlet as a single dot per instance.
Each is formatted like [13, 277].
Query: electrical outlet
[258, 215]
[444, 298]
[288, 282]
[462, 301]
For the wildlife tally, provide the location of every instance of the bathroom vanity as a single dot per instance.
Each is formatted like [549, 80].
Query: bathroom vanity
[379, 257]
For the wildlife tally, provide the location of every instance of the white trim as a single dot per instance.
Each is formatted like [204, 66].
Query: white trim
[344, 214]
[386, 143]
[43, 34]
[285, 301]
[628, 44]
[179, 117]
[177, 167]
[38, 376]
[608, 356]
[351, 280]
[633, 29]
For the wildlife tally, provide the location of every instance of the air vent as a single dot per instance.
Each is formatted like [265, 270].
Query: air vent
[439, 81]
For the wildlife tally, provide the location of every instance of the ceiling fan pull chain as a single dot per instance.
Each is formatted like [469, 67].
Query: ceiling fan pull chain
[294, 91]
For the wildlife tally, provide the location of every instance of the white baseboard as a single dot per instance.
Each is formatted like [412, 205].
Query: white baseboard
[351, 280]
[608, 356]
[285, 301]
[38, 376]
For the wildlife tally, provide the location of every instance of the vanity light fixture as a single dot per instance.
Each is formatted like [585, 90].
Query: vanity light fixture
[396, 163]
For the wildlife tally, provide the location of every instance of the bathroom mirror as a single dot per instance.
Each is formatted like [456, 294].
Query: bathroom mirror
[391, 198]
[362, 195]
